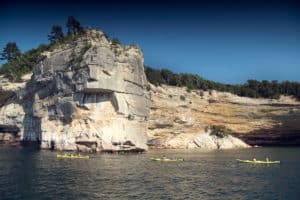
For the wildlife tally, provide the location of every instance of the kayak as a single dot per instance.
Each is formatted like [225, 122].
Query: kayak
[258, 161]
[71, 156]
[167, 159]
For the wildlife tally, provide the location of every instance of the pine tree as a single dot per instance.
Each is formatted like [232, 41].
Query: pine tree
[56, 34]
[74, 26]
[10, 51]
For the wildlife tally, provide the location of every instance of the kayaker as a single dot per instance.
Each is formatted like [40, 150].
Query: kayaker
[267, 159]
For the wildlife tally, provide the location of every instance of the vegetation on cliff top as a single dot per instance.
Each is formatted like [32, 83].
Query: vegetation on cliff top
[252, 88]
[19, 63]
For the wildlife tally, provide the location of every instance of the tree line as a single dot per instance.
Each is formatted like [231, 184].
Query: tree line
[19, 63]
[252, 88]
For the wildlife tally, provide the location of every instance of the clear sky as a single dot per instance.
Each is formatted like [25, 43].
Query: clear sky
[225, 41]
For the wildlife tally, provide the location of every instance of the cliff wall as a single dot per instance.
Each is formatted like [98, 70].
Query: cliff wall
[93, 95]
[88, 95]
[182, 119]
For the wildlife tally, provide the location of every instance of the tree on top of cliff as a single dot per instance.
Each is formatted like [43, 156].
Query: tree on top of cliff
[56, 34]
[10, 51]
[74, 26]
[115, 41]
[253, 88]
[24, 63]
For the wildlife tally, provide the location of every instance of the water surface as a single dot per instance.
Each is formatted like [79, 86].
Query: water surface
[27, 173]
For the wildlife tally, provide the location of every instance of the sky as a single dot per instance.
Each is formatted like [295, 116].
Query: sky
[225, 41]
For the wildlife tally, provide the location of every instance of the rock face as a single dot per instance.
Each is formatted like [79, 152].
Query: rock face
[92, 95]
[178, 119]
[89, 95]
[207, 141]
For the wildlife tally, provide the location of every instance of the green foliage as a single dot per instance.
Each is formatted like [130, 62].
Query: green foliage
[74, 27]
[206, 129]
[253, 88]
[220, 131]
[22, 64]
[115, 41]
[154, 76]
[19, 64]
[56, 34]
[10, 52]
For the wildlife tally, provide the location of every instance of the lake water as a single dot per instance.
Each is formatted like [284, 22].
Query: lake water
[26, 173]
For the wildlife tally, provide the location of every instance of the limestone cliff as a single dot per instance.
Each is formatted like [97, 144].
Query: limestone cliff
[182, 119]
[93, 95]
[88, 95]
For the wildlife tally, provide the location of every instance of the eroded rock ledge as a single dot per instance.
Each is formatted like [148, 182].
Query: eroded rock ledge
[179, 118]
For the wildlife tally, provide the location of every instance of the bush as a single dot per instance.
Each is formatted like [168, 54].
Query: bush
[182, 98]
[115, 41]
[16, 68]
[219, 131]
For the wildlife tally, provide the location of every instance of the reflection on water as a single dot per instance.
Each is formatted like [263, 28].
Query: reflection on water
[30, 174]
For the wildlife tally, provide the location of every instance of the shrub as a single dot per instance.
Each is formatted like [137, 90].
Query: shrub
[206, 129]
[219, 131]
[115, 41]
[17, 67]
[182, 98]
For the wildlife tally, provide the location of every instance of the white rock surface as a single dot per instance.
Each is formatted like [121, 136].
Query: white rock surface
[207, 141]
[89, 95]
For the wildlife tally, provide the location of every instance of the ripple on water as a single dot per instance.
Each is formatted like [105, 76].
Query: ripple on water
[30, 174]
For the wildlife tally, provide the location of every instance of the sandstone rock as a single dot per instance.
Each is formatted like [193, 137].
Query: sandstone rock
[206, 141]
[88, 95]
[174, 123]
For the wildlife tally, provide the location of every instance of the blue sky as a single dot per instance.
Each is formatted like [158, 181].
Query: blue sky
[225, 41]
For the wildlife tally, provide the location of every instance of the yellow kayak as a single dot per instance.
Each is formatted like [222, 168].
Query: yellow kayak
[72, 156]
[167, 159]
[258, 161]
